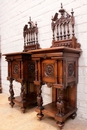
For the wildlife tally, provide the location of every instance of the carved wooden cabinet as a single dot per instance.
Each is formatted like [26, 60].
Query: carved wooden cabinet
[21, 68]
[58, 68]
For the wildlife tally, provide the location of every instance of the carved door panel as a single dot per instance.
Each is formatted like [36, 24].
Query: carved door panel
[16, 70]
[70, 71]
[49, 71]
[31, 71]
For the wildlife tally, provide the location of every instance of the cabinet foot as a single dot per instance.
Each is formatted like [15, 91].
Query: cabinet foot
[60, 124]
[40, 116]
[23, 109]
[73, 115]
[12, 104]
[11, 101]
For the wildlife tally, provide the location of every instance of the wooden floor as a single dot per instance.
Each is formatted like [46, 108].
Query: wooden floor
[13, 119]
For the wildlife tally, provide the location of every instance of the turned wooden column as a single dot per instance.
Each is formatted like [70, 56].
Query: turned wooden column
[39, 96]
[23, 97]
[40, 102]
[11, 93]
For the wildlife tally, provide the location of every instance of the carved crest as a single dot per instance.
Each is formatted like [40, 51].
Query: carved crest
[30, 33]
[63, 29]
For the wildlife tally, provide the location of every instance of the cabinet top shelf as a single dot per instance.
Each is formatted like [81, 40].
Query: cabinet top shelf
[56, 49]
[17, 53]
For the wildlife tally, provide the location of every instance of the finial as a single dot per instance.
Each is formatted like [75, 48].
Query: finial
[62, 11]
[52, 18]
[29, 21]
[72, 12]
[61, 5]
[29, 18]
[36, 24]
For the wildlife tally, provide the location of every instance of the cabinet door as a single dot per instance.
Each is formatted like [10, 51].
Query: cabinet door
[29, 70]
[70, 71]
[16, 70]
[49, 71]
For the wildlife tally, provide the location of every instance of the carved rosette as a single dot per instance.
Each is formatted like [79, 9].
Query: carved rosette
[49, 70]
[31, 71]
[71, 69]
[15, 69]
[31, 68]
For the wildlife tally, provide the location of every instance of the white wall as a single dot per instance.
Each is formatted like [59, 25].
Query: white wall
[14, 14]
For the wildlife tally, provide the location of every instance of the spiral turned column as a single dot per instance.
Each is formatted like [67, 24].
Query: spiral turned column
[23, 97]
[11, 93]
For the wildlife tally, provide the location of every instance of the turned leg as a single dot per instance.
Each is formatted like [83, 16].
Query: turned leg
[23, 97]
[11, 93]
[40, 102]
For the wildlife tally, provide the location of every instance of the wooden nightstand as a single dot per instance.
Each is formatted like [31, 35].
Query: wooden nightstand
[21, 68]
[58, 68]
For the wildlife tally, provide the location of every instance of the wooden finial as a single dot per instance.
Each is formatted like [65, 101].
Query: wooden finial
[61, 5]
[62, 11]
[72, 12]
[36, 24]
[29, 18]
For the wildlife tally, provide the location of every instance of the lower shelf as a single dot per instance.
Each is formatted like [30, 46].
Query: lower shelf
[51, 110]
[31, 98]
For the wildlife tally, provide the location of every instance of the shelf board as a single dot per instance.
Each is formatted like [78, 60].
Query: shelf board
[51, 110]
[30, 99]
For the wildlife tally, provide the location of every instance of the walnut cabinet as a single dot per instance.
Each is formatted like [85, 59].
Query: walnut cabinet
[58, 68]
[21, 69]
